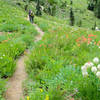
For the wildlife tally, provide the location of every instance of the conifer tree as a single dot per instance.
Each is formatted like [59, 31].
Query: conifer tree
[94, 27]
[38, 9]
[97, 9]
[92, 4]
[71, 2]
[80, 23]
[26, 7]
[72, 17]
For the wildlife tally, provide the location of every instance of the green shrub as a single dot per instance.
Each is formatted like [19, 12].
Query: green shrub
[7, 66]
[89, 89]
[2, 88]
[8, 52]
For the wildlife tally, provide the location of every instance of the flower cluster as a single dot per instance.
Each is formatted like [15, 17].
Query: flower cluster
[94, 66]
[89, 40]
[83, 39]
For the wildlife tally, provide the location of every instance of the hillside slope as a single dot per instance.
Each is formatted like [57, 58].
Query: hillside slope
[55, 63]
[16, 35]
[81, 13]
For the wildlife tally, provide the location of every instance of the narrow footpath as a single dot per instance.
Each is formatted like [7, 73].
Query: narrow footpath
[15, 91]
[1, 33]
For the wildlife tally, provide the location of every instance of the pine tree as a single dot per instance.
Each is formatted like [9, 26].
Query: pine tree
[80, 23]
[94, 27]
[71, 17]
[92, 4]
[26, 7]
[38, 8]
[97, 9]
[71, 2]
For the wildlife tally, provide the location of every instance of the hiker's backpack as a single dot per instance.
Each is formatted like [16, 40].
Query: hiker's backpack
[32, 14]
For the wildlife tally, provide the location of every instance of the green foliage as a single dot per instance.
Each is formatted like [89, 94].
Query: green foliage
[8, 52]
[17, 35]
[55, 62]
[89, 88]
[61, 9]
[2, 38]
[92, 4]
[54, 65]
[38, 8]
[97, 9]
[7, 68]
[2, 88]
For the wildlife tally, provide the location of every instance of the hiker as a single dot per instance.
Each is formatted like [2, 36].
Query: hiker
[31, 16]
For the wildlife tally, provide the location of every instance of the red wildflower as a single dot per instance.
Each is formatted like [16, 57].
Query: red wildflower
[78, 39]
[98, 44]
[95, 43]
[91, 35]
[84, 39]
[66, 35]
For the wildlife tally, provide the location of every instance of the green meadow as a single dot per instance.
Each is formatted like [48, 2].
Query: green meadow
[64, 64]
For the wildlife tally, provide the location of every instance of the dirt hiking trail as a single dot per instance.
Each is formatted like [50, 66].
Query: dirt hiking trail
[39, 31]
[1, 33]
[15, 91]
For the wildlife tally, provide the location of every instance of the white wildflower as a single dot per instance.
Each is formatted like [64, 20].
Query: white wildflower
[98, 67]
[94, 69]
[98, 74]
[85, 74]
[96, 60]
[84, 68]
[89, 64]
[86, 64]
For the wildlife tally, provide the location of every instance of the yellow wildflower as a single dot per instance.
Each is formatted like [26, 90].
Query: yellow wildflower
[47, 97]
[28, 97]
[41, 90]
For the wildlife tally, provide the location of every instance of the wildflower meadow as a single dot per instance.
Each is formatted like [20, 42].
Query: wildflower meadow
[49, 50]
